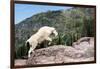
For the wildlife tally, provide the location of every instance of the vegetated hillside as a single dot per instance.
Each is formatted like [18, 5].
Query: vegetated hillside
[71, 25]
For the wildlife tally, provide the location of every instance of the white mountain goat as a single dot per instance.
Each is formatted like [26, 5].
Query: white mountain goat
[42, 34]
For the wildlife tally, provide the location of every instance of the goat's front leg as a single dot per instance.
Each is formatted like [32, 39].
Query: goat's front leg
[49, 39]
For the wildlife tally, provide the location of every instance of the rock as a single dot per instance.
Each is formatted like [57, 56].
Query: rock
[83, 51]
[86, 46]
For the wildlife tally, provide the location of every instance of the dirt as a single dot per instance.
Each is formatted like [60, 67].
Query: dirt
[20, 62]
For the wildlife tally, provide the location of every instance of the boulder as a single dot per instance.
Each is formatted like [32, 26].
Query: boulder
[79, 52]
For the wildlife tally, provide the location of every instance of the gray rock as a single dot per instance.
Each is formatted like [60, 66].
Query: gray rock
[79, 52]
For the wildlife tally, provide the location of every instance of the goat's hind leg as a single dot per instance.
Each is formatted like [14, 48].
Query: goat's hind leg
[31, 50]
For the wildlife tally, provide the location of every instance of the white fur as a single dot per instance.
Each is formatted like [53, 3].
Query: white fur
[42, 34]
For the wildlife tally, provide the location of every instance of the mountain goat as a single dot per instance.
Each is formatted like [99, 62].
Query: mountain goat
[42, 34]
